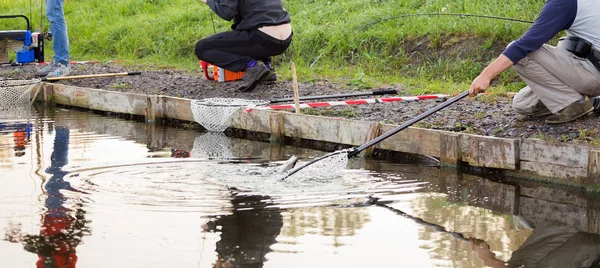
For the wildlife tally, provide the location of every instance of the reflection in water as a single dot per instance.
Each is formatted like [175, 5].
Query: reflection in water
[248, 233]
[178, 153]
[145, 201]
[21, 135]
[549, 245]
[62, 227]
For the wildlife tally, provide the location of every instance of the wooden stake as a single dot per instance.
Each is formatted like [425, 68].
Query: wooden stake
[295, 86]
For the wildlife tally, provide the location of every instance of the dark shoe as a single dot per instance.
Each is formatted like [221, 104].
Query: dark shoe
[270, 78]
[571, 112]
[252, 76]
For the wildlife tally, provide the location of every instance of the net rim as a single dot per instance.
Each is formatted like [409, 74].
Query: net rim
[19, 82]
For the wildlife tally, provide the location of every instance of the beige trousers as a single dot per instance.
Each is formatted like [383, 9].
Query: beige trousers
[555, 78]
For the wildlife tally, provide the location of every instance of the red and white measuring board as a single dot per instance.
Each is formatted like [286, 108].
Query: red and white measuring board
[348, 102]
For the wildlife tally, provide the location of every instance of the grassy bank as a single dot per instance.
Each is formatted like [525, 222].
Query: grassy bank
[362, 43]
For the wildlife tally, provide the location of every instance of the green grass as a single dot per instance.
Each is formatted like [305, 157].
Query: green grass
[360, 43]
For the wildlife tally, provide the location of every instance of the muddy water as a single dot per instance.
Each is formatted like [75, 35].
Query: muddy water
[90, 191]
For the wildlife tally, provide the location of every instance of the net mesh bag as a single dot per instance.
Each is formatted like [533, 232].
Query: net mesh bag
[330, 166]
[212, 145]
[15, 92]
[214, 113]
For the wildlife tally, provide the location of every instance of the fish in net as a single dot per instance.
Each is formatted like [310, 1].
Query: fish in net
[214, 113]
[329, 166]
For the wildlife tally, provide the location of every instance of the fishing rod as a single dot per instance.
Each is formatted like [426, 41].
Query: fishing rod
[366, 25]
[443, 14]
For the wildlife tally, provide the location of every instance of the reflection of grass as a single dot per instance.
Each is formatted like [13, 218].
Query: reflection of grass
[360, 43]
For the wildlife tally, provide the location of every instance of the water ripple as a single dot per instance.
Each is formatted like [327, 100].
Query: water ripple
[207, 186]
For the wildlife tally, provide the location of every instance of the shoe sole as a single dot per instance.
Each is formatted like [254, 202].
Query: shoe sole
[255, 82]
[566, 121]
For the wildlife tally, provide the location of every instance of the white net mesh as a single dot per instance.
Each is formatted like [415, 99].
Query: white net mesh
[211, 145]
[331, 165]
[16, 91]
[214, 113]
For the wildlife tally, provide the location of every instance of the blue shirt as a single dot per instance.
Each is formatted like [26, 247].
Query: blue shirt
[557, 15]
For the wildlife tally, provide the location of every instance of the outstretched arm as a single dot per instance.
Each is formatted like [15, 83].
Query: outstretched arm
[482, 82]
[556, 15]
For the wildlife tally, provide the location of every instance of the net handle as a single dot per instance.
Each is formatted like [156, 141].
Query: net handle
[355, 151]
[90, 76]
[457, 235]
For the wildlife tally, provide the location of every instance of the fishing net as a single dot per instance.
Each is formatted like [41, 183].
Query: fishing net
[329, 166]
[214, 113]
[15, 92]
[212, 145]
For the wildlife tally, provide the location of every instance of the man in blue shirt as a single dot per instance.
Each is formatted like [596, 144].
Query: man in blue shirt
[559, 83]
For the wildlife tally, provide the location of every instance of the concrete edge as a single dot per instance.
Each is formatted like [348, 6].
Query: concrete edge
[571, 164]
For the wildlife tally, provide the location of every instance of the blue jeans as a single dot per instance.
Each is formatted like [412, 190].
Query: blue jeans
[58, 26]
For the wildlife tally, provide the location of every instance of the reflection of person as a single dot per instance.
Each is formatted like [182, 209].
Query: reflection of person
[178, 153]
[547, 246]
[247, 234]
[60, 44]
[21, 136]
[559, 80]
[61, 232]
[261, 30]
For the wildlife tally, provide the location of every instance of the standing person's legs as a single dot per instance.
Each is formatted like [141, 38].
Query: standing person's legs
[58, 26]
[60, 44]
[557, 79]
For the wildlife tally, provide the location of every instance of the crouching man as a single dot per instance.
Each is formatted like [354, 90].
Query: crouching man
[261, 30]
[561, 80]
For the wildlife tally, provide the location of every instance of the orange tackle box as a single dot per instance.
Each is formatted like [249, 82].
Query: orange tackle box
[219, 74]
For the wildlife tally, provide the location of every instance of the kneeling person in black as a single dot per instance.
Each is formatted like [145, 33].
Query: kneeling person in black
[261, 29]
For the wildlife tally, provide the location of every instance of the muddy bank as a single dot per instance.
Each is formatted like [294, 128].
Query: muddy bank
[484, 115]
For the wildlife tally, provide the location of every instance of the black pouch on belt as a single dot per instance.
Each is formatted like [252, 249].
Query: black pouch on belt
[581, 48]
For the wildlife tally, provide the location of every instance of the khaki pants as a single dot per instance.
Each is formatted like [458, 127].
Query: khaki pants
[555, 78]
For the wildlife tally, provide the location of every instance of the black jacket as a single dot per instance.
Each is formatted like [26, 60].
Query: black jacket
[250, 14]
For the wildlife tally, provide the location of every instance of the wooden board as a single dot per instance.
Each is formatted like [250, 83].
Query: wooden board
[558, 173]
[490, 152]
[572, 155]
[412, 140]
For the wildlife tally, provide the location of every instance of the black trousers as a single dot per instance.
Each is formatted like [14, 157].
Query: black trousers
[233, 50]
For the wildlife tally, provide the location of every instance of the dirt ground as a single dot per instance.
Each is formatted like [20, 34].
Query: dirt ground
[484, 115]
